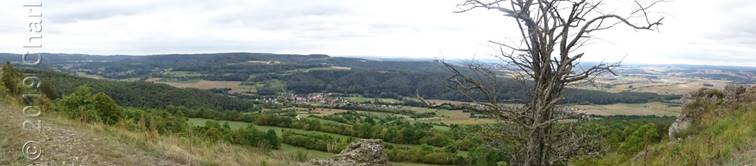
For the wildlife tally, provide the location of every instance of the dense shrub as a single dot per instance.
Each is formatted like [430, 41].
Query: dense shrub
[11, 80]
[321, 142]
[88, 107]
[249, 135]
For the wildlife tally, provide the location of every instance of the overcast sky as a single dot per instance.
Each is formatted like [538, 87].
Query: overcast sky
[719, 32]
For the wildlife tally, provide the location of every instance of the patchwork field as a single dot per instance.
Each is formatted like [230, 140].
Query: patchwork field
[464, 118]
[655, 108]
[366, 99]
[665, 86]
[467, 121]
[327, 111]
[319, 69]
[437, 101]
[666, 80]
[235, 86]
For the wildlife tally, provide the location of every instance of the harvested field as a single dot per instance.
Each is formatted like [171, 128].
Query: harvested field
[655, 108]
[235, 86]
[327, 111]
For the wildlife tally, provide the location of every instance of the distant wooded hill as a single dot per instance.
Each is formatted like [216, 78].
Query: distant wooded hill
[296, 73]
[141, 94]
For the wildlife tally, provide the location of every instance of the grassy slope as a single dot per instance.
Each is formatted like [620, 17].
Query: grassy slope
[725, 140]
[66, 140]
[719, 142]
[190, 151]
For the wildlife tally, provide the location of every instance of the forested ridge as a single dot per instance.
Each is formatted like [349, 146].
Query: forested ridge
[303, 74]
[141, 94]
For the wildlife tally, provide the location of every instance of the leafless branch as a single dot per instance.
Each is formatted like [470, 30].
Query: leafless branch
[552, 31]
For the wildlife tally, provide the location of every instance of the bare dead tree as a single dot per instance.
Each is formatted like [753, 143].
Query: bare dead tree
[548, 56]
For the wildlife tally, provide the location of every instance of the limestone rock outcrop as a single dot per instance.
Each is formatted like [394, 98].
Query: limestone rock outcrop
[706, 100]
[366, 152]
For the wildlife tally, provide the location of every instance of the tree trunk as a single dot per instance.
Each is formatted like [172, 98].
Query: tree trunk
[546, 91]
[535, 148]
[536, 152]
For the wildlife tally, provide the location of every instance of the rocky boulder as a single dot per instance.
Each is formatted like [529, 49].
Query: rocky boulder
[366, 152]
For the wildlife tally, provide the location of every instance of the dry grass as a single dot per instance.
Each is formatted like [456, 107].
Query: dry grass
[655, 108]
[722, 140]
[11, 136]
[745, 157]
[61, 140]
[459, 115]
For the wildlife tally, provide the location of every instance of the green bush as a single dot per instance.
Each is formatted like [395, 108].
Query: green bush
[321, 142]
[639, 139]
[107, 109]
[11, 80]
[84, 106]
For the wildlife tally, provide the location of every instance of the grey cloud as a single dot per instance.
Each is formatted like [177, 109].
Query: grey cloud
[715, 57]
[276, 15]
[62, 12]
[60, 18]
[346, 27]
[152, 45]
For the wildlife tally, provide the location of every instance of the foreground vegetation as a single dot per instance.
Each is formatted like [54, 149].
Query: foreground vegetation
[716, 143]
[721, 133]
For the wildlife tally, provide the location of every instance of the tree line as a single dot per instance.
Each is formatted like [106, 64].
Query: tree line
[142, 94]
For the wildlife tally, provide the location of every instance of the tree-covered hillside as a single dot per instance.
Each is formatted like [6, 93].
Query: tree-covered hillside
[141, 94]
[430, 85]
[308, 73]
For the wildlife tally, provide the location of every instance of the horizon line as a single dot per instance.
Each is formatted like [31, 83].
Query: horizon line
[368, 57]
